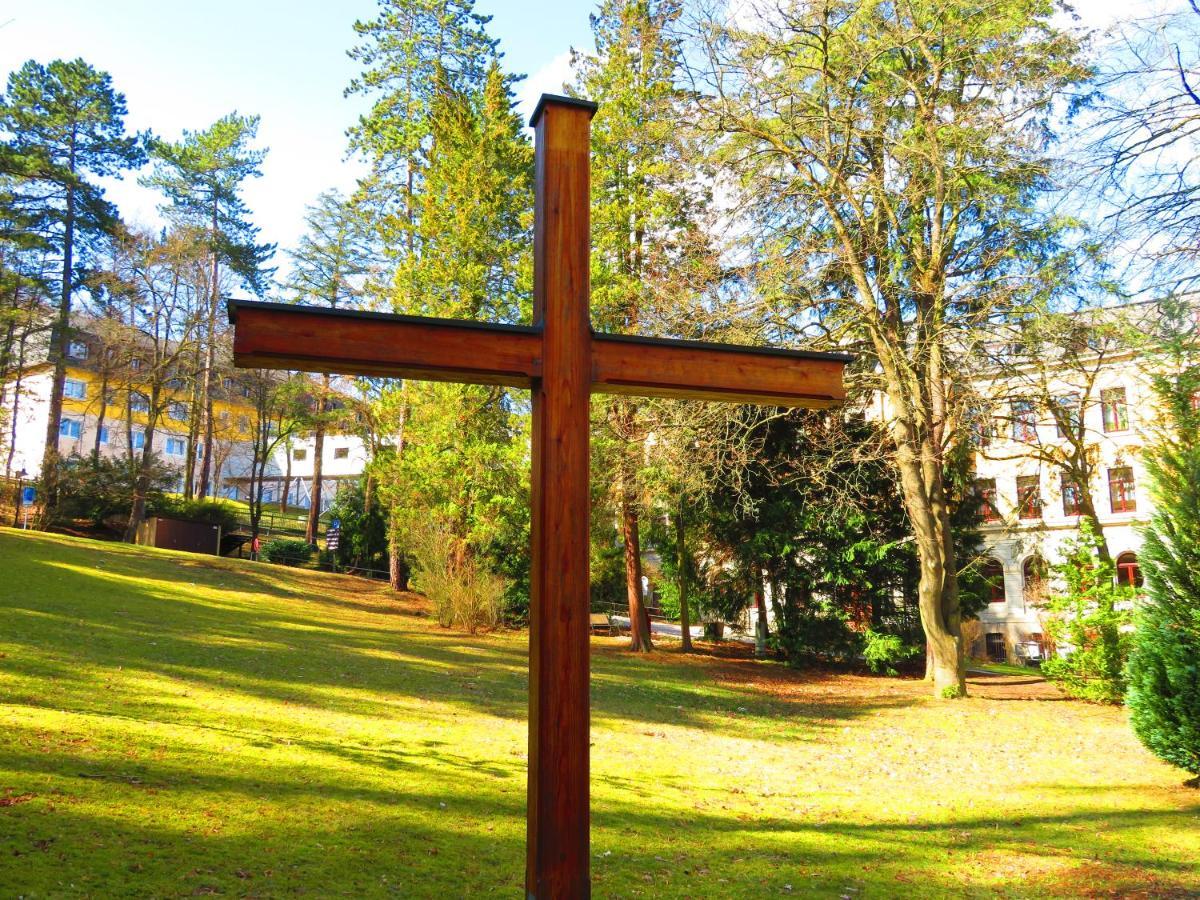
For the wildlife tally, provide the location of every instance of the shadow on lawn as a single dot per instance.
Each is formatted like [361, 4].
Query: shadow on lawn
[88, 612]
[339, 837]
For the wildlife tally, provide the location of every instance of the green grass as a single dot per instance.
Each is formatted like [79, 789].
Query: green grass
[1002, 668]
[174, 725]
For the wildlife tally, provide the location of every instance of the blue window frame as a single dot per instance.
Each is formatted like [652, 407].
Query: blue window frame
[104, 434]
[70, 428]
[75, 389]
[175, 446]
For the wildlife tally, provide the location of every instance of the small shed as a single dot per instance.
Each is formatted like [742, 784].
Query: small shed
[178, 534]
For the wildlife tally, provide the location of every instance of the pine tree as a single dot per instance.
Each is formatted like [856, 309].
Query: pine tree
[412, 50]
[1163, 672]
[202, 176]
[64, 126]
[329, 267]
[643, 193]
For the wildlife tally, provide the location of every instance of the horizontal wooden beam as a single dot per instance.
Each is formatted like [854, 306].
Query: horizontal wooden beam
[694, 370]
[345, 342]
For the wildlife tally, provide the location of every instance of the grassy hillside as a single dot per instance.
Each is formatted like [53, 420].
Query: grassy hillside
[175, 725]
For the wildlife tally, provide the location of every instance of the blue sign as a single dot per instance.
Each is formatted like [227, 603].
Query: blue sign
[335, 525]
[28, 495]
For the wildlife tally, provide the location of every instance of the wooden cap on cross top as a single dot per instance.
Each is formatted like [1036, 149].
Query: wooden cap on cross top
[559, 100]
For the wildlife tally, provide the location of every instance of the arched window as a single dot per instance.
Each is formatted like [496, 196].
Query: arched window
[1129, 573]
[993, 579]
[1034, 574]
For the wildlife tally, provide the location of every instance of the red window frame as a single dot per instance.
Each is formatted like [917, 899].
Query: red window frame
[1024, 421]
[993, 577]
[1122, 489]
[1114, 407]
[1072, 496]
[1029, 496]
[985, 490]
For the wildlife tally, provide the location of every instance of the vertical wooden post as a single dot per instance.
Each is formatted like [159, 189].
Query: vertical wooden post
[558, 820]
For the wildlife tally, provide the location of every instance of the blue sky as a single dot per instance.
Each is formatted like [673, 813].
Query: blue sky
[185, 64]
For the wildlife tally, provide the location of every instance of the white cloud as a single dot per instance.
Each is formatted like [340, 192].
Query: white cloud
[549, 79]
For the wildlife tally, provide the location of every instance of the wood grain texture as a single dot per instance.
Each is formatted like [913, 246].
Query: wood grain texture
[557, 860]
[280, 336]
[688, 370]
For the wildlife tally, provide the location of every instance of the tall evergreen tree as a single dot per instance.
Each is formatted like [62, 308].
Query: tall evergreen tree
[329, 267]
[409, 53]
[202, 176]
[64, 127]
[1163, 671]
[643, 191]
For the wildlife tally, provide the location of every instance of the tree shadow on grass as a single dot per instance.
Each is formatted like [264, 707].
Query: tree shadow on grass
[92, 612]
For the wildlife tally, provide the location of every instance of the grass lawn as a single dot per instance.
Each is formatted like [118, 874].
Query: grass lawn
[175, 725]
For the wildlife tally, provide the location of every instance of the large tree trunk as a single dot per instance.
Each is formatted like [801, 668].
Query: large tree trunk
[639, 619]
[681, 559]
[141, 485]
[937, 589]
[58, 356]
[314, 510]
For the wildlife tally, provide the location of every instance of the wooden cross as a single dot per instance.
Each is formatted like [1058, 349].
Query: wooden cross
[562, 362]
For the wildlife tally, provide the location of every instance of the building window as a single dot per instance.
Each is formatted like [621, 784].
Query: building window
[70, 428]
[299, 453]
[246, 391]
[135, 364]
[996, 650]
[139, 440]
[139, 403]
[1029, 496]
[1129, 573]
[1115, 409]
[993, 579]
[985, 491]
[175, 383]
[1034, 576]
[74, 389]
[1067, 420]
[341, 452]
[1121, 492]
[1072, 496]
[228, 383]
[983, 427]
[1024, 420]
[175, 446]
[77, 350]
[104, 434]
[178, 412]
[243, 423]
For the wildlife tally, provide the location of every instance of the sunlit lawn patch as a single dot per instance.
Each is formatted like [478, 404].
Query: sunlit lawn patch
[175, 724]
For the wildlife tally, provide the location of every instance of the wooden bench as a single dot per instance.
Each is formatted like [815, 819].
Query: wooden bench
[598, 623]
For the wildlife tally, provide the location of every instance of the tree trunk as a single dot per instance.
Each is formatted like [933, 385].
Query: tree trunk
[937, 588]
[639, 619]
[685, 614]
[58, 356]
[141, 485]
[314, 510]
[287, 480]
[760, 607]
[103, 412]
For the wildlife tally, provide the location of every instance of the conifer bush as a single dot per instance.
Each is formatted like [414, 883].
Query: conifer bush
[1164, 667]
